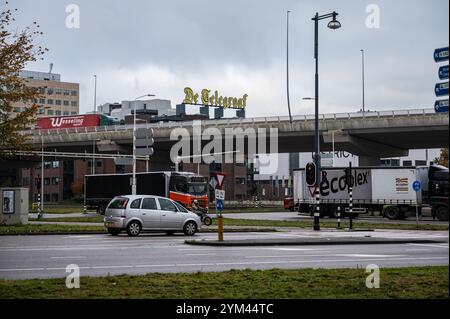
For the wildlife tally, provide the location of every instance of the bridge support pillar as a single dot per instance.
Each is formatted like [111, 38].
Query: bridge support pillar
[369, 161]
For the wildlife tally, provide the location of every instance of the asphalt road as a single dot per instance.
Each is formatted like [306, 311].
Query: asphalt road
[39, 256]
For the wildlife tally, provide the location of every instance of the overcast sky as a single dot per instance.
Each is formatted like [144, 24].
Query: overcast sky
[239, 46]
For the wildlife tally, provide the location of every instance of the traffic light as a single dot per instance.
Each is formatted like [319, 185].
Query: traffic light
[310, 174]
[144, 141]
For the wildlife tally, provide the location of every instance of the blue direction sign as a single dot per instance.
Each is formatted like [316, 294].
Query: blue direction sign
[219, 205]
[416, 186]
[441, 106]
[441, 89]
[443, 72]
[441, 54]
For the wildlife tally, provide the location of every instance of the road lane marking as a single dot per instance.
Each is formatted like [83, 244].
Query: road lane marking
[68, 257]
[367, 255]
[299, 249]
[431, 245]
[202, 254]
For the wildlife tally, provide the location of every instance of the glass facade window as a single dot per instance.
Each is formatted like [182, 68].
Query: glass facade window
[66, 113]
[421, 163]
[41, 111]
[55, 180]
[46, 181]
[41, 90]
[73, 113]
[66, 103]
[58, 102]
[49, 112]
[407, 163]
[50, 102]
[55, 164]
[73, 93]
[41, 101]
[73, 103]
[50, 91]
[58, 91]
[66, 92]
[58, 112]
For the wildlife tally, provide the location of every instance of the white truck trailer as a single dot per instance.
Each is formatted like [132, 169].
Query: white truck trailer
[385, 189]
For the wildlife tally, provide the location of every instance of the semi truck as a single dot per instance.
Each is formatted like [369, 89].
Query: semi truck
[183, 187]
[75, 121]
[387, 190]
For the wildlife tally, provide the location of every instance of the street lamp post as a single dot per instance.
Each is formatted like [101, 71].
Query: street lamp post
[133, 185]
[95, 94]
[333, 24]
[363, 80]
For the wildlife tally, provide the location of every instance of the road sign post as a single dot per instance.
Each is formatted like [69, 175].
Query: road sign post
[416, 186]
[220, 197]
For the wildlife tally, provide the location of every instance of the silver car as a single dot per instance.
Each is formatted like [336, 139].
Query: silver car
[135, 213]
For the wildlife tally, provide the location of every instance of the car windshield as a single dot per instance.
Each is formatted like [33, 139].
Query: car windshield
[197, 189]
[181, 208]
[118, 203]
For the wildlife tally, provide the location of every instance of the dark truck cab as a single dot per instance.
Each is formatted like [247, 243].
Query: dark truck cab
[438, 191]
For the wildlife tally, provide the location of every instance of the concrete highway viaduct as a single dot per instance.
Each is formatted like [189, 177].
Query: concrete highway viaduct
[370, 135]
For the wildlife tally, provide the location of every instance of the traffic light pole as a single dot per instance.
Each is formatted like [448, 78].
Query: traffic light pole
[316, 126]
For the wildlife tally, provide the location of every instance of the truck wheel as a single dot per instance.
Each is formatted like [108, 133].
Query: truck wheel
[134, 228]
[392, 212]
[442, 213]
[101, 209]
[334, 213]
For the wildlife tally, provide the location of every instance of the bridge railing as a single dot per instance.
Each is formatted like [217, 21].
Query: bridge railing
[256, 120]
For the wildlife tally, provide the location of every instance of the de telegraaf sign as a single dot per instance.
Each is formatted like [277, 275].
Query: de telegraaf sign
[209, 99]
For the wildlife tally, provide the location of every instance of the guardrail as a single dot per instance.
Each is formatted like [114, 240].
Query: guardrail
[255, 120]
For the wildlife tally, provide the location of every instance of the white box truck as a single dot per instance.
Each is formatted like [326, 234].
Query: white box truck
[385, 189]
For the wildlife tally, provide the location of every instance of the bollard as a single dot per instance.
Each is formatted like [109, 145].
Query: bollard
[339, 216]
[220, 227]
[84, 209]
[351, 206]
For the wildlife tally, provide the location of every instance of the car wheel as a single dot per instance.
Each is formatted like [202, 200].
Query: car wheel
[442, 213]
[114, 231]
[207, 221]
[134, 228]
[190, 228]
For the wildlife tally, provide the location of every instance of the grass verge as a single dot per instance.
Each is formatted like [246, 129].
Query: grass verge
[329, 224]
[90, 219]
[48, 228]
[410, 282]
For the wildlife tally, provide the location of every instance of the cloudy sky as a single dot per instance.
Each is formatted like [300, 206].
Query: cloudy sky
[239, 46]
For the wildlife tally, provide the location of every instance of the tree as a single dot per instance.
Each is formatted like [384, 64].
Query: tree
[443, 157]
[17, 48]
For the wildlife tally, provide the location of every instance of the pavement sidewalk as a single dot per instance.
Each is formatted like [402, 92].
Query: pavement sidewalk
[335, 237]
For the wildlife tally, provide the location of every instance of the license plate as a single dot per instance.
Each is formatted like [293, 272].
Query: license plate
[110, 224]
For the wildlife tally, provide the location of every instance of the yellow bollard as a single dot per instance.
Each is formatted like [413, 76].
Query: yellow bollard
[220, 227]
